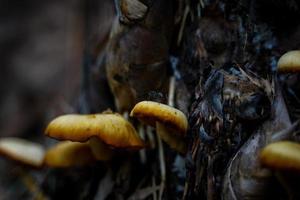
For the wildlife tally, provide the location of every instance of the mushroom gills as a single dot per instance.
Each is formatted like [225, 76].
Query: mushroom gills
[100, 150]
[69, 154]
[171, 137]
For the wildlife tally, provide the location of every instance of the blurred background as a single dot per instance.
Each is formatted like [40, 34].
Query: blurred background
[44, 46]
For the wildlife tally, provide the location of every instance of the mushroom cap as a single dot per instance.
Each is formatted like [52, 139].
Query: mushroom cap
[69, 154]
[289, 62]
[283, 155]
[112, 129]
[151, 112]
[22, 151]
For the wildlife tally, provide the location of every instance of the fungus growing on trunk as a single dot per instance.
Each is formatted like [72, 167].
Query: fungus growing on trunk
[171, 124]
[102, 131]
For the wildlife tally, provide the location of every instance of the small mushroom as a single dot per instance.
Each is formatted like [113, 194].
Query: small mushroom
[289, 62]
[171, 124]
[22, 151]
[102, 131]
[284, 159]
[283, 155]
[62, 155]
[69, 154]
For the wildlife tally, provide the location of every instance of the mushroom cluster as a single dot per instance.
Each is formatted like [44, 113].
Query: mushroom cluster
[145, 28]
[93, 137]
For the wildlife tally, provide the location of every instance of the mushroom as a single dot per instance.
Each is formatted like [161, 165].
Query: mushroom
[171, 124]
[289, 62]
[283, 155]
[69, 154]
[22, 151]
[64, 154]
[284, 158]
[102, 131]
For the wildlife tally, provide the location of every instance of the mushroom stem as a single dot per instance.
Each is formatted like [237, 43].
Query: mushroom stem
[153, 185]
[162, 167]
[164, 134]
[150, 136]
[284, 183]
[182, 25]
[142, 152]
[31, 184]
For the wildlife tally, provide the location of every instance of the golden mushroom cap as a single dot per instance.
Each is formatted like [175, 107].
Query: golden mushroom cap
[283, 155]
[112, 129]
[289, 62]
[151, 112]
[69, 154]
[22, 151]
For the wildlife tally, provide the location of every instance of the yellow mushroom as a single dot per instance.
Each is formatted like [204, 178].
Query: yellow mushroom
[22, 151]
[289, 62]
[102, 131]
[171, 124]
[283, 155]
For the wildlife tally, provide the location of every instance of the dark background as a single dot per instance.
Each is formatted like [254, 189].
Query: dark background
[43, 46]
